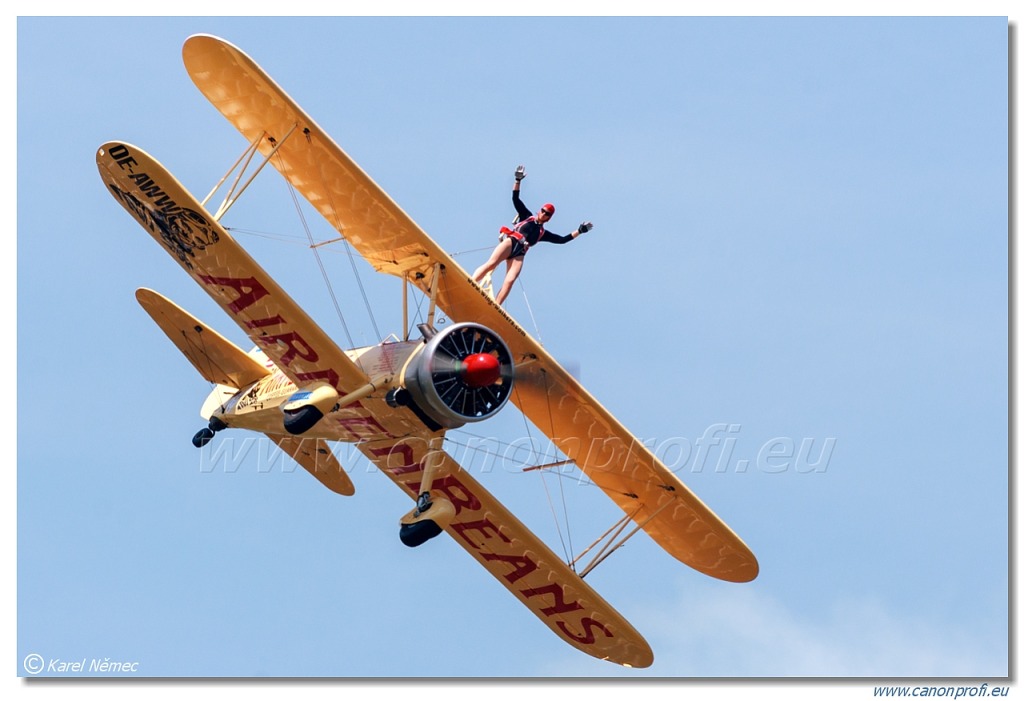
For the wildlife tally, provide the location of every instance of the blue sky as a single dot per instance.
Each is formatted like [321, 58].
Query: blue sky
[799, 271]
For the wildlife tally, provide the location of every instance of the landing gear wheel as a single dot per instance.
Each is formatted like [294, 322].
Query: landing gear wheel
[204, 436]
[298, 422]
[416, 534]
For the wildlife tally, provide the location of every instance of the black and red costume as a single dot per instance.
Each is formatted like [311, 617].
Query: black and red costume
[528, 231]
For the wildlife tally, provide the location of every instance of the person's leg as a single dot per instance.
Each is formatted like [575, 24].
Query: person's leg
[515, 265]
[500, 253]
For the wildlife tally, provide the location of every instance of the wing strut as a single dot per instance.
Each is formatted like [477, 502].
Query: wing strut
[405, 307]
[612, 545]
[434, 284]
[232, 196]
[247, 155]
[549, 465]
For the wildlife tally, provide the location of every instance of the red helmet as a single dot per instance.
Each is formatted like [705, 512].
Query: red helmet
[549, 208]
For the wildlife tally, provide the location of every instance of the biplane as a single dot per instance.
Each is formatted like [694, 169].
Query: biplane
[396, 400]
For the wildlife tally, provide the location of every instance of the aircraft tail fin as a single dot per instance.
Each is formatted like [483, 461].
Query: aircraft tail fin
[215, 358]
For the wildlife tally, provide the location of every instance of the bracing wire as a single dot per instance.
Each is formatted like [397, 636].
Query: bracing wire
[536, 328]
[284, 238]
[307, 243]
[320, 263]
[351, 258]
[418, 316]
[456, 254]
[362, 290]
[547, 492]
[561, 484]
[315, 248]
[316, 254]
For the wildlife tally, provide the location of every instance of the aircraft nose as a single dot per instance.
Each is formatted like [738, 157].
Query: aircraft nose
[480, 370]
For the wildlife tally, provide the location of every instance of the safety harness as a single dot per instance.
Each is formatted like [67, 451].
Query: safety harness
[517, 234]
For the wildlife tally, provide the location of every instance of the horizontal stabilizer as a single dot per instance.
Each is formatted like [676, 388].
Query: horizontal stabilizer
[314, 455]
[217, 359]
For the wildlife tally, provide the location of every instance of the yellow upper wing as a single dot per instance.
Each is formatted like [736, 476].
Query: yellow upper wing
[388, 238]
[317, 167]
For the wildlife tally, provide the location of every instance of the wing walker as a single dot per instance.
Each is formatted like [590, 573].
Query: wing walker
[396, 400]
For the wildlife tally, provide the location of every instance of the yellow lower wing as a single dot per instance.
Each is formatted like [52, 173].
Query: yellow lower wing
[515, 556]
